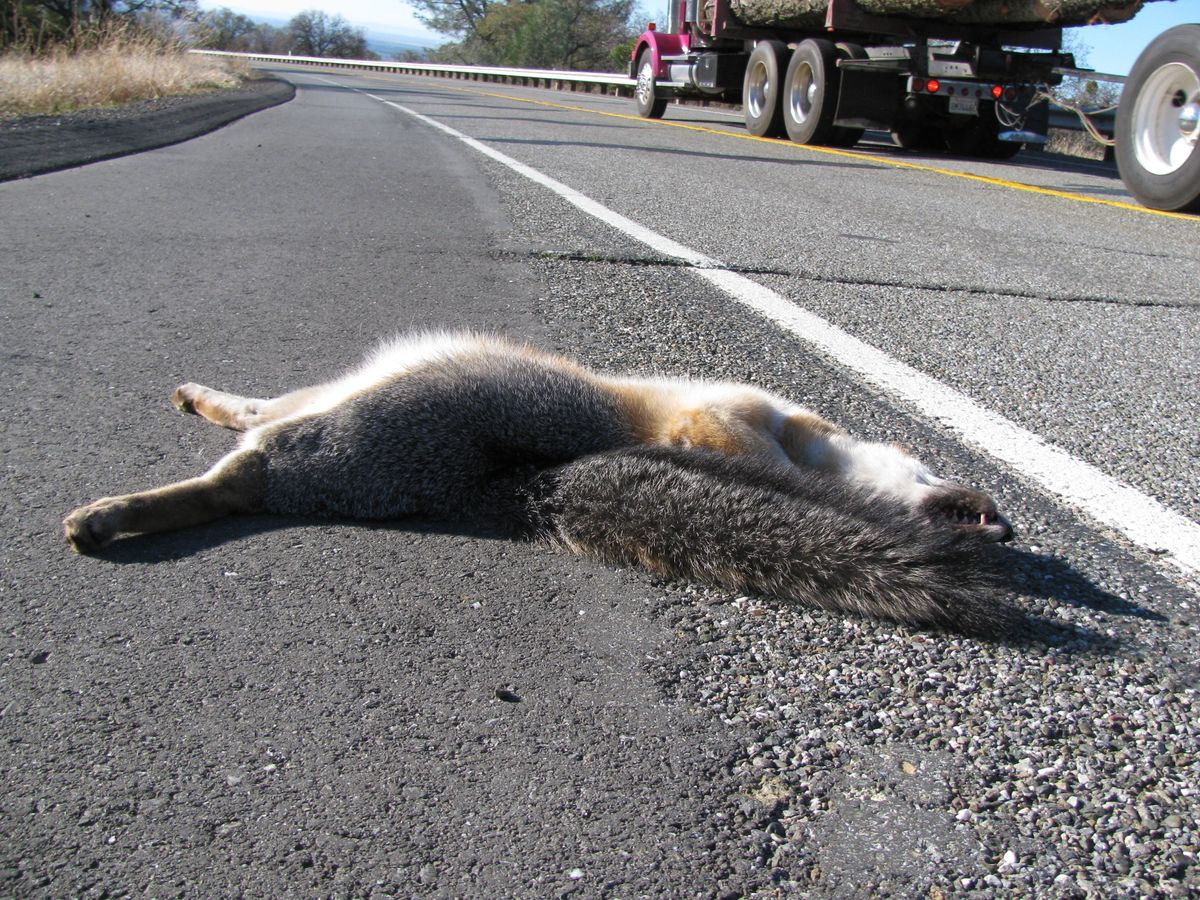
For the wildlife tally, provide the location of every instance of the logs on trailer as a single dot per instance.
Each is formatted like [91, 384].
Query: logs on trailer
[1048, 12]
[810, 14]
[803, 14]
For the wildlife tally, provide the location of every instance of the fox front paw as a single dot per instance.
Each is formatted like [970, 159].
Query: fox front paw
[90, 527]
[183, 398]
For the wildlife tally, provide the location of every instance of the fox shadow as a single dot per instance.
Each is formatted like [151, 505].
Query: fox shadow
[173, 546]
[1018, 572]
[1059, 584]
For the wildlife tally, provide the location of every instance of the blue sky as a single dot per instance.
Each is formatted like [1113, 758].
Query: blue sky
[1111, 48]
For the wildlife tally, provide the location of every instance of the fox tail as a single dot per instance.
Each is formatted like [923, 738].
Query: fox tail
[761, 527]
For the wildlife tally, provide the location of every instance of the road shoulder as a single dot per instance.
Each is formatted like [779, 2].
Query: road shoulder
[38, 144]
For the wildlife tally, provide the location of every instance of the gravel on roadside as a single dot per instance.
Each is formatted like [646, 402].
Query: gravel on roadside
[907, 763]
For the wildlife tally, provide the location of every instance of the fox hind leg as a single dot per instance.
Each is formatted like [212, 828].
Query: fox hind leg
[234, 485]
[235, 412]
[732, 428]
[890, 469]
[220, 408]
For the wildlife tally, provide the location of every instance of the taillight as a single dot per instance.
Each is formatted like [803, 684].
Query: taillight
[918, 85]
[933, 85]
[997, 91]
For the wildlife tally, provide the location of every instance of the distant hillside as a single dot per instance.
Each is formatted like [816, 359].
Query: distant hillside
[388, 46]
[380, 40]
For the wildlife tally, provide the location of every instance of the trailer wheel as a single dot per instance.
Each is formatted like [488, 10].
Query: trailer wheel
[649, 106]
[810, 93]
[981, 137]
[991, 147]
[910, 135]
[761, 101]
[1158, 123]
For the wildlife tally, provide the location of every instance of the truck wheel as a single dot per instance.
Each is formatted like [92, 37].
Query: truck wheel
[761, 89]
[810, 93]
[910, 135]
[981, 138]
[649, 106]
[963, 140]
[1158, 123]
[991, 147]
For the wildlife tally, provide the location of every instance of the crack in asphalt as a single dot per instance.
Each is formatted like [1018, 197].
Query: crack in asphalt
[662, 262]
[648, 261]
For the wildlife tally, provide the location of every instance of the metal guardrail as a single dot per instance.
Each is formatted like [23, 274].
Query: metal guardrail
[610, 83]
[557, 80]
[1065, 120]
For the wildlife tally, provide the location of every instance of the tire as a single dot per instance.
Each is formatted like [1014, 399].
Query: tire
[645, 95]
[908, 135]
[994, 148]
[810, 93]
[1158, 123]
[762, 104]
[962, 141]
[981, 138]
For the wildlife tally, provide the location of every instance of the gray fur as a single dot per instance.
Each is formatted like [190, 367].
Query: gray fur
[534, 442]
[406, 447]
[429, 442]
[752, 525]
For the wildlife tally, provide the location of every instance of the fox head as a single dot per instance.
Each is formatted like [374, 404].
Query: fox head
[891, 470]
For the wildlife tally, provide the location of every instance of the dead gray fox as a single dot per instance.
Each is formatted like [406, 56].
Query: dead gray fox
[720, 482]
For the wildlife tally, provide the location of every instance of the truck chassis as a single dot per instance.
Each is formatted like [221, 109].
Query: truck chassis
[975, 90]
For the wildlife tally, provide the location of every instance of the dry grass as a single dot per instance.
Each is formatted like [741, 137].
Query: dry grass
[122, 68]
[1074, 143]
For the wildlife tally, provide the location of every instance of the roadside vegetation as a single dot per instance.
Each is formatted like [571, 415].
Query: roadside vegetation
[310, 33]
[1085, 96]
[113, 66]
[547, 34]
[58, 57]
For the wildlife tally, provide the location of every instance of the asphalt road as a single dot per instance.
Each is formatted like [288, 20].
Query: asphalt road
[271, 707]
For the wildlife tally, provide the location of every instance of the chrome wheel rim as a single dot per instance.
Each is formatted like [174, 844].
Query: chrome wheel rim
[758, 88]
[645, 85]
[802, 92]
[1166, 119]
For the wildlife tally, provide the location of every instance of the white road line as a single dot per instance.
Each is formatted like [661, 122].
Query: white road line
[1141, 518]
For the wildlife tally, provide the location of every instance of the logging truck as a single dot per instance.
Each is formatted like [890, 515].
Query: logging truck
[824, 71]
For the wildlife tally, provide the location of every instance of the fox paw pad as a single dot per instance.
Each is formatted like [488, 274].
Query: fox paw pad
[90, 527]
[184, 397]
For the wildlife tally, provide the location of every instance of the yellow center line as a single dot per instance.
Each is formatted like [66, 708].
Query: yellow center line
[848, 154]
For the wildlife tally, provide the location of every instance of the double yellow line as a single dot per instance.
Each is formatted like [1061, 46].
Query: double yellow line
[848, 154]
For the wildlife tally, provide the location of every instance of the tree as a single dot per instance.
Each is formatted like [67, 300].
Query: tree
[555, 34]
[39, 24]
[269, 39]
[457, 18]
[1084, 92]
[223, 29]
[315, 33]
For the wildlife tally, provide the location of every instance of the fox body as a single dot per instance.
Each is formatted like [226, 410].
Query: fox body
[466, 426]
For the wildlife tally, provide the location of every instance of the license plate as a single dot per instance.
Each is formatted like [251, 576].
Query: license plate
[965, 106]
